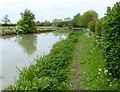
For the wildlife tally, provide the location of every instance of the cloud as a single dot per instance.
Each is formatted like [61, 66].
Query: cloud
[50, 9]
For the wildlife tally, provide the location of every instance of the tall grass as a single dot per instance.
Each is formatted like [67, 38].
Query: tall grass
[51, 71]
[92, 65]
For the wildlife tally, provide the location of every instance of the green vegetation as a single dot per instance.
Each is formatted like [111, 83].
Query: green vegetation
[75, 21]
[88, 17]
[27, 23]
[6, 20]
[98, 28]
[51, 71]
[107, 33]
[111, 40]
[92, 66]
[45, 23]
[106, 71]
[98, 57]
[83, 20]
[62, 23]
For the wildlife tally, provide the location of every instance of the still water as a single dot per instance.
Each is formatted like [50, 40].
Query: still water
[21, 50]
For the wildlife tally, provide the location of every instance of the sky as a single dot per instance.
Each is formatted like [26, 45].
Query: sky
[51, 9]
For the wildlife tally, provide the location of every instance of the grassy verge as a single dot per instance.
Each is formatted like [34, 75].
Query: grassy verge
[51, 71]
[92, 67]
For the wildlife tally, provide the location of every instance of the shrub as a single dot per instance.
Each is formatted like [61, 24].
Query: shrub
[111, 40]
[92, 25]
[27, 23]
[98, 27]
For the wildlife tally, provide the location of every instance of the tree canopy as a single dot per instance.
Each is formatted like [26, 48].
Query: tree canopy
[6, 20]
[75, 21]
[27, 23]
[88, 17]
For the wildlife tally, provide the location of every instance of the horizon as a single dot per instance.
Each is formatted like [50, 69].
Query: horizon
[52, 9]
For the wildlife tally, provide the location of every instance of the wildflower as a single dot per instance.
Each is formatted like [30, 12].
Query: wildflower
[100, 69]
[105, 71]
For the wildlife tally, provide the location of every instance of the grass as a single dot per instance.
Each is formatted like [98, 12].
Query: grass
[77, 56]
[75, 68]
[92, 67]
[50, 72]
[12, 29]
[7, 29]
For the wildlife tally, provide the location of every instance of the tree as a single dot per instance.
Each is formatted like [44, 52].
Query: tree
[27, 23]
[28, 43]
[75, 21]
[6, 20]
[57, 22]
[67, 19]
[88, 17]
[111, 40]
[47, 23]
[98, 27]
[92, 25]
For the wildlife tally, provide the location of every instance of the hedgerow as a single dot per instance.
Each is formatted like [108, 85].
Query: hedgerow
[111, 40]
[50, 72]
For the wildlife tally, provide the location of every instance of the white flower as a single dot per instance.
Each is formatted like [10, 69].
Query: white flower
[105, 71]
[100, 69]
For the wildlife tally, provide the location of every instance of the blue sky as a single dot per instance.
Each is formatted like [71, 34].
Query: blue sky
[51, 9]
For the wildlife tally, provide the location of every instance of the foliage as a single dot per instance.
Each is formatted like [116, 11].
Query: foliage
[92, 66]
[98, 27]
[88, 17]
[51, 71]
[62, 23]
[67, 19]
[57, 22]
[75, 21]
[45, 23]
[6, 20]
[27, 23]
[8, 24]
[111, 40]
[92, 25]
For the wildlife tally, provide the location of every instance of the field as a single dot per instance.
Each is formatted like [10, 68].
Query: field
[6, 30]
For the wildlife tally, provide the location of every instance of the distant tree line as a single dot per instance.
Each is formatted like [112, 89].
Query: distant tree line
[77, 21]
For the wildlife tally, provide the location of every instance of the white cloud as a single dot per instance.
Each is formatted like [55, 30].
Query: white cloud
[50, 9]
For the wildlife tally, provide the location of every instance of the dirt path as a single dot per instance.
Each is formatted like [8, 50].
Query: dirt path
[75, 68]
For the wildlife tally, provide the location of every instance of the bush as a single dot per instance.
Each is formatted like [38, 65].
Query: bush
[111, 40]
[27, 23]
[87, 17]
[92, 25]
[98, 27]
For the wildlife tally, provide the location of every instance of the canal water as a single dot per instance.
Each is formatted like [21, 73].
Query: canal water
[21, 51]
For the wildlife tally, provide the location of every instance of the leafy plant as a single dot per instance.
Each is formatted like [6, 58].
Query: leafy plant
[111, 40]
[51, 71]
[27, 23]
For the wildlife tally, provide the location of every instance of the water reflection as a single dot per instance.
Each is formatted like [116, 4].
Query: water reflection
[7, 36]
[28, 42]
[60, 33]
[21, 50]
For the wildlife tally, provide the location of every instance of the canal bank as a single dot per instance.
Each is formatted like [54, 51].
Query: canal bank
[50, 71]
[22, 50]
[9, 30]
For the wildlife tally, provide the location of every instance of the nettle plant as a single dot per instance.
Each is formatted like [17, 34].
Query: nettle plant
[111, 40]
